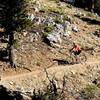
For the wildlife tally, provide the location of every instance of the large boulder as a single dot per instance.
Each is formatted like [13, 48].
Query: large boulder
[54, 39]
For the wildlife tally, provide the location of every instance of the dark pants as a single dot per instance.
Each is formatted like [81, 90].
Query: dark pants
[77, 52]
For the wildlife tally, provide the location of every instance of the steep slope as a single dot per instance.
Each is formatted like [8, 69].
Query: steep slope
[34, 56]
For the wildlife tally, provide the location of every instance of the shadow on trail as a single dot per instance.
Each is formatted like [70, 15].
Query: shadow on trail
[62, 62]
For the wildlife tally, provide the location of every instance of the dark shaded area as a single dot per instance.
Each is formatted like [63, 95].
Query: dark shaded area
[1, 34]
[38, 96]
[62, 61]
[3, 37]
[89, 20]
[80, 3]
[97, 11]
[4, 54]
[94, 81]
[89, 5]
[13, 17]
[9, 95]
[45, 40]
[96, 33]
[4, 41]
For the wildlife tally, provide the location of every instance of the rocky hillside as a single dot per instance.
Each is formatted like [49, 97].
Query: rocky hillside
[55, 25]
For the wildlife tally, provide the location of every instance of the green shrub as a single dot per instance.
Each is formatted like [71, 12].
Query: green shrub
[58, 20]
[90, 88]
[45, 34]
[48, 28]
[57, 10]
[16, 43]
[89, 92]
[98, 28]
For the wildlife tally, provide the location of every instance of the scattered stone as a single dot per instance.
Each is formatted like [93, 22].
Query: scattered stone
[70, 19]
[25, 33]
[80, 14]
[36, 9]
[73, 73]
[75, 29]
[67, 33]
[11, 83]
[82, 74]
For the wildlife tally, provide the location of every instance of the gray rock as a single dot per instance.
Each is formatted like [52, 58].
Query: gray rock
[54, 38]
[70, 19]
[59, 28]
[49, 20]
[75, 29]
[67, 33]
[67, 26]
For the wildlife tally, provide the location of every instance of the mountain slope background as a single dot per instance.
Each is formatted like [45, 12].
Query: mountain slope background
[33, 54]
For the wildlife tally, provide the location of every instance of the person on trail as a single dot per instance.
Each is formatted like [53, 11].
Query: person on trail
[76, 50]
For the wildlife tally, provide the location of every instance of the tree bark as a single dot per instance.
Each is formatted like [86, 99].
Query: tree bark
[11, 50]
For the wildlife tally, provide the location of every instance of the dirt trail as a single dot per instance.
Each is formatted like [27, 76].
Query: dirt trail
[54, 69]
[35, 79]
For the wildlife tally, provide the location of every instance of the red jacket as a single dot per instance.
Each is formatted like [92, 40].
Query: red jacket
[76, 48]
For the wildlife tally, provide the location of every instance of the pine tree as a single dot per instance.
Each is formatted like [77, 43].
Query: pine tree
[13, 17]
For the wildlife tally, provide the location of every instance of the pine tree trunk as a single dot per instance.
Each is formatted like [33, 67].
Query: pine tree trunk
[11, 50]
